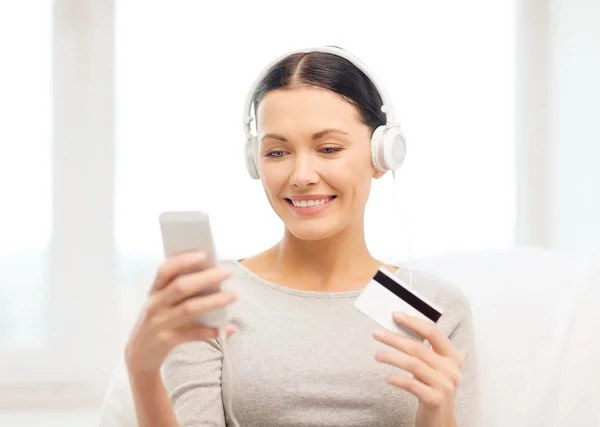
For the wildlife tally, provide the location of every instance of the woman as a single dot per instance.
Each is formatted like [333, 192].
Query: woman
[302, 354]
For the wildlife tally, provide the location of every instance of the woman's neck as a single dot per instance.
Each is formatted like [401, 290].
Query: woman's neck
[341, 262]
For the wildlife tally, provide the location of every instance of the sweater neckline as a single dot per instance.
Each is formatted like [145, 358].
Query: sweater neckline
[292, 291]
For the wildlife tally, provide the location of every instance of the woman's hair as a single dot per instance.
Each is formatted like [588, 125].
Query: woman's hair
[327, 71]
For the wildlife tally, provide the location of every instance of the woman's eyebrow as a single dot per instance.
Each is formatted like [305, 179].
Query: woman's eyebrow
[315, 136]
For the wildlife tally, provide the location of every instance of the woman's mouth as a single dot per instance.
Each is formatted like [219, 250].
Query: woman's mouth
[310, 205]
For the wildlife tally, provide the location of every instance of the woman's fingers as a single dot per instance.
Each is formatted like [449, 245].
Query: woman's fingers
[431, 397]
[419, 369]
[421, 352]
[175, 266]
[190, 309]
[440, 343]
[407, 345]
[178, 296]
[189, 285]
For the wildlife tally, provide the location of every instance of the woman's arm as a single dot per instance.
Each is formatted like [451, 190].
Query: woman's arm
[192, 375]
[186, 391]
[152, 404]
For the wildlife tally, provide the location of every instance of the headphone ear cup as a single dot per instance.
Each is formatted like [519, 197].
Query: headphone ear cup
[376, 149]
[394, 147]
[388, 147]
[250, 151]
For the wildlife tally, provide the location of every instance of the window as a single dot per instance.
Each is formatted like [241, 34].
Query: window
[55, 223]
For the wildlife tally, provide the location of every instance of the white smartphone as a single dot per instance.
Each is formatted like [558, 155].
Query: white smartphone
[184, 231]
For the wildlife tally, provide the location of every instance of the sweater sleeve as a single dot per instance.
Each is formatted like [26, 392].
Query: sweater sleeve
[192, 377]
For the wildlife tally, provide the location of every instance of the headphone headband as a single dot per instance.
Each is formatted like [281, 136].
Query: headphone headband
[386, 108]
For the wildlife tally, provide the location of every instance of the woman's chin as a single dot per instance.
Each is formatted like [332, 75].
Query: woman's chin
[313, 230]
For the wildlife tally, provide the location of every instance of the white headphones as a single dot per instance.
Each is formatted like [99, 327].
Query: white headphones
[388, 145]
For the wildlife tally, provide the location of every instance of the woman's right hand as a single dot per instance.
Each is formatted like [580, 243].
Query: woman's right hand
[169, 316]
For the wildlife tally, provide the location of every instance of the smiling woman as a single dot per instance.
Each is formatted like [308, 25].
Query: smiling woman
[193, 159]
[315, 116]
[324, 132]
[98, 106]
[313, 162]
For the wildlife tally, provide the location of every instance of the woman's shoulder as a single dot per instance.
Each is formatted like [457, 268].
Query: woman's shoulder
[234, 266]
[241, 275]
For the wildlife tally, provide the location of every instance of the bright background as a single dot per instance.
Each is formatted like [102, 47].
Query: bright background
[114, 111]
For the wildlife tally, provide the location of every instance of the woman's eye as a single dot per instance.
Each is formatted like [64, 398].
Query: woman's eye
[330, 150]
[275, 154]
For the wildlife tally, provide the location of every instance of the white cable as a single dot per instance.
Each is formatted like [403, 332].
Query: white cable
[406, 225]
[229, 368]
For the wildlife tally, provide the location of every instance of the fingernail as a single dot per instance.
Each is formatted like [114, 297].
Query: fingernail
[200, 256]
[378, 334]
[232, 329]
[232, 297]
[398, 315]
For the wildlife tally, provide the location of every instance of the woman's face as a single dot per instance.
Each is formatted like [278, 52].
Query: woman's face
[315, 160]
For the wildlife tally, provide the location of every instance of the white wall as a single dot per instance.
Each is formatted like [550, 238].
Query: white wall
[574, 123]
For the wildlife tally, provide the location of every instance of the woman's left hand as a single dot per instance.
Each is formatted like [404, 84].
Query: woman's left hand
[435, 371]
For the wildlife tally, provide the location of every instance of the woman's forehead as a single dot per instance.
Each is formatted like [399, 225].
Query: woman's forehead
[309, 105]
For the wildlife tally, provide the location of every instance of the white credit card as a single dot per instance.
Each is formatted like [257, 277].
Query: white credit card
[386, 294]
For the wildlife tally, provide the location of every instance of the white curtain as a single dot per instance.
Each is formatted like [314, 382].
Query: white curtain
[181, 71]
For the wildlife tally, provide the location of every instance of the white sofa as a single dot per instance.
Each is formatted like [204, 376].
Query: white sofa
[536, 328]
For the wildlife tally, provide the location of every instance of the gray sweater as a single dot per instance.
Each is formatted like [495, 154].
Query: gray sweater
[306, 358]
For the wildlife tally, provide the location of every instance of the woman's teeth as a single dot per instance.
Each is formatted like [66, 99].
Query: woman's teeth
[309, 203]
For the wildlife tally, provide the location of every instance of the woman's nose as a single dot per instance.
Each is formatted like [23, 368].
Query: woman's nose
[304, 173]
